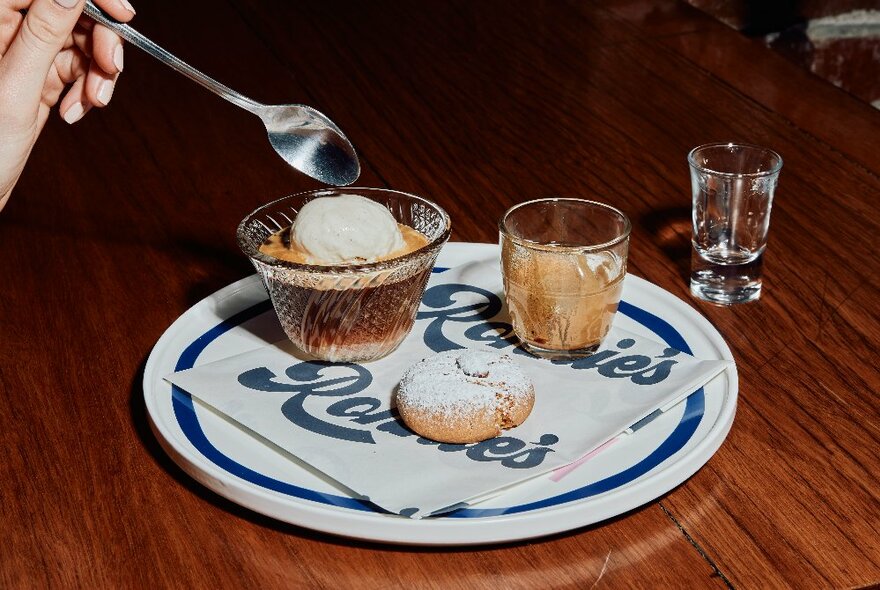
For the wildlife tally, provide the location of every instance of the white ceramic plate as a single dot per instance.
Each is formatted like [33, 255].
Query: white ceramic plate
[635, 469]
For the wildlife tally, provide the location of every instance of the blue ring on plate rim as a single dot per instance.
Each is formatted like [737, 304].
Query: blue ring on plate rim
[189, 424]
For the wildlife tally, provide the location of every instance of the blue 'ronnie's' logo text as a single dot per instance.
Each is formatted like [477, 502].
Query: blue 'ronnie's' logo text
[337, 384]
[307, 380]
[612, 362]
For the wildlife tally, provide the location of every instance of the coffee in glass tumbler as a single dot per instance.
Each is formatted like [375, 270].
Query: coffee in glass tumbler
[563, 263]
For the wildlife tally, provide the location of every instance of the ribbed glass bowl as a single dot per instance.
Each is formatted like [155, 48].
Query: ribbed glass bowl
[347, 313]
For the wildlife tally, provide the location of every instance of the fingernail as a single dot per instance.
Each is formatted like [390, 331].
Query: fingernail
[105, 91]
[67, 3]
[127, 5]
[118, 58]
[74, 113]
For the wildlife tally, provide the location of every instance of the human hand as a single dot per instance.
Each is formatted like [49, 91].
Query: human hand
[41, 53]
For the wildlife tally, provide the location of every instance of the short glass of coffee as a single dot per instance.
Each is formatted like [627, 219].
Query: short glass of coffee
[352, 311]
[563, 262]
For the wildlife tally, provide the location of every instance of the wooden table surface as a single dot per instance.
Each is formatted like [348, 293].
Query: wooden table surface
[126, 219]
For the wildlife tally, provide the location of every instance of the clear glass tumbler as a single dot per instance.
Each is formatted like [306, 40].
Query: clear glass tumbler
[563, 262]
[732, 187]
[347, 312]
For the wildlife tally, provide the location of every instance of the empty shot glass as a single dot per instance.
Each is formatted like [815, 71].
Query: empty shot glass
[732, 186]
[563, 262]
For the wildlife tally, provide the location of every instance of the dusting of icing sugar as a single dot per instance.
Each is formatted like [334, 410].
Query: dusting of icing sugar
[476, 363]
[462, 381]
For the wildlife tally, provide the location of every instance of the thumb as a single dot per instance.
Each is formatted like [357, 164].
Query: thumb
[42, 35]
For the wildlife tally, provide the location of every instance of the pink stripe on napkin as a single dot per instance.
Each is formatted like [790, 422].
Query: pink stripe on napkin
[558, 474]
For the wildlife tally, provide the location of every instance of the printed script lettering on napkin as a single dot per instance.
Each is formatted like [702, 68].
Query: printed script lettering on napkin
[366, 414]
[340, 417]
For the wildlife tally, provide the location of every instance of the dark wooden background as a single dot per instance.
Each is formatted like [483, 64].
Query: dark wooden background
[126, 219]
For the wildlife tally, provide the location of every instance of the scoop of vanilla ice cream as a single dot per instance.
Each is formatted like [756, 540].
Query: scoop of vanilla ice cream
[345, 228]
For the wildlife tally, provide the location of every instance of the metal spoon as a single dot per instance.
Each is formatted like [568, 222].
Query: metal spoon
[305, 138]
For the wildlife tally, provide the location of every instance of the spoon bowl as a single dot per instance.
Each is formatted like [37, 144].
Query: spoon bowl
[310, 142]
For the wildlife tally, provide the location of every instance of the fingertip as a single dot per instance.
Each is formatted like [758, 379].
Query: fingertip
[107, 50]
[74, 105]
[99, 86]
[74, 113]
[127, 6]
[104, 92]
[118, 58]
[121, 10]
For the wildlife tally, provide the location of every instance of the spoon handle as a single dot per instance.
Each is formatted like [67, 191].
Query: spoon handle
[142, 42]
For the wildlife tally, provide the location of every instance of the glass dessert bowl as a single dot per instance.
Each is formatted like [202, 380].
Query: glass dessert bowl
[353, 311]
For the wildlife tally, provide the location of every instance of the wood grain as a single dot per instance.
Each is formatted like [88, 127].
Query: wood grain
[123, 221]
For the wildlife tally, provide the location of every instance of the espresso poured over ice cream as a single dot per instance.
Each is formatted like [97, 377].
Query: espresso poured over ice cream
[346, 229]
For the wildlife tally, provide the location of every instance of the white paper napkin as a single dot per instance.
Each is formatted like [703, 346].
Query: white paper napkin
[339, 417]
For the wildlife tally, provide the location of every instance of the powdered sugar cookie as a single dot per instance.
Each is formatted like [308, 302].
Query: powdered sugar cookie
[464, 396]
